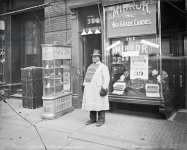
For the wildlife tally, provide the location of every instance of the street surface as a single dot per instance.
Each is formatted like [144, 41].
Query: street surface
[123, 130]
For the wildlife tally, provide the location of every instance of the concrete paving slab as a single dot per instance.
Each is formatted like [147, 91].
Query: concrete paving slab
[180, 116]
[53, 140]
[5, 109]
[76, 144]
[13, 136]
[139, 132]
[34, 115]
[121, 131]
[101, 140]
[69, 122]
[9, 116]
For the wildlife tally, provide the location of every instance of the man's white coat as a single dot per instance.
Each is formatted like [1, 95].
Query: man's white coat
[92, 101]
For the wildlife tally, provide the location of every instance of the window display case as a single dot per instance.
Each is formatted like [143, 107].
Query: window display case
[57, 96]
[134, 54]
[136, 71]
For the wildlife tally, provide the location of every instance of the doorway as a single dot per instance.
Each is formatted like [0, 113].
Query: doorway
[27, 35]
[90, 42]
[173, 50]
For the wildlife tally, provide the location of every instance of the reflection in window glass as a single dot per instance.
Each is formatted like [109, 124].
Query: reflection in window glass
[135, 67]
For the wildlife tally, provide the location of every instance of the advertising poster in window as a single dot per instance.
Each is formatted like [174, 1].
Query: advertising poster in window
[139, 67]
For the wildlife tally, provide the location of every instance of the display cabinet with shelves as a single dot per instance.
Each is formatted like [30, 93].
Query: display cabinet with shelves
[57, 96]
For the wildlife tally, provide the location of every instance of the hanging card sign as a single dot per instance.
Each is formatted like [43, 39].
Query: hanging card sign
[50, 51]
[152, 90]
[62, 52]
[131, 19]
[139, 67]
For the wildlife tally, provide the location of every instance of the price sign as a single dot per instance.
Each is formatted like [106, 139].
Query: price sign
[139, 73]
[152, 90]
[139, 67]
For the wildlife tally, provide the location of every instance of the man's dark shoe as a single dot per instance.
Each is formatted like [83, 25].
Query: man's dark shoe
[89, 122]
[99, 123]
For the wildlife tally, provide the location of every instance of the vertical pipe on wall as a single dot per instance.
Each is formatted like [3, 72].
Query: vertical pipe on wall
[101, 16]
[10, 47]
[105, 40]
[103, 37]
[66, 15]
[185, 58]
[185, 54]
[160, 42]
[10, 44]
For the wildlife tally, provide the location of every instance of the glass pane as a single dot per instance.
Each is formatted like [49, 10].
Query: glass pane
[56, 70]
[174, 63]
[135, 67]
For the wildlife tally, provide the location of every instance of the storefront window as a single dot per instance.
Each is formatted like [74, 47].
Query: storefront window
[135, 60]
[135, 67]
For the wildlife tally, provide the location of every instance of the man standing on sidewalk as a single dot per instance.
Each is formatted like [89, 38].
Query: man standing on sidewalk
[97, 78]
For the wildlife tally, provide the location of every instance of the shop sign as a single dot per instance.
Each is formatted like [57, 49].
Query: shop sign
[152, 90]
[50, 52]
[139, 67]
[137, 18]
[91, 18]
[134, 47]
[90, 21]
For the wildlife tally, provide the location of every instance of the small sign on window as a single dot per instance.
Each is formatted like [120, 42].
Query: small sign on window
[152, 90]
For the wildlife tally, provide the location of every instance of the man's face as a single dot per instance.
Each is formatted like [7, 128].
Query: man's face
[95, 59]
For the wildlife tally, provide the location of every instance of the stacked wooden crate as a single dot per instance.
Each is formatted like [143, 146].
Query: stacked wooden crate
[32, 87]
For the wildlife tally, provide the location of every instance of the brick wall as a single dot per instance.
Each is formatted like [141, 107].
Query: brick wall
[57, 22]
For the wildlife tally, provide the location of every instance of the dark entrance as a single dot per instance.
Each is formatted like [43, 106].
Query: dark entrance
[90, 23]
[173, 50]
[91, 42]
[27, 35]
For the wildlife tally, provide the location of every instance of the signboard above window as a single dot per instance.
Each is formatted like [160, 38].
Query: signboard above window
[131, 19]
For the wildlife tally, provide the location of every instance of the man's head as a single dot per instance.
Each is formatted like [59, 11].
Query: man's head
[96, 57]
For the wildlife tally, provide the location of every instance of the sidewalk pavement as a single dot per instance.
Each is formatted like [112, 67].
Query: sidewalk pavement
[68, 132]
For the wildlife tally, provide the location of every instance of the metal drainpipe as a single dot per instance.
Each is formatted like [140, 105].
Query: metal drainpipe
[65, 1]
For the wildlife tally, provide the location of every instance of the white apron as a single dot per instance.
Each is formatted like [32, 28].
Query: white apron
[92, 101]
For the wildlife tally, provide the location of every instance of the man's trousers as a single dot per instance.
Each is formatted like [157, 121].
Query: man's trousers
[101, 116]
